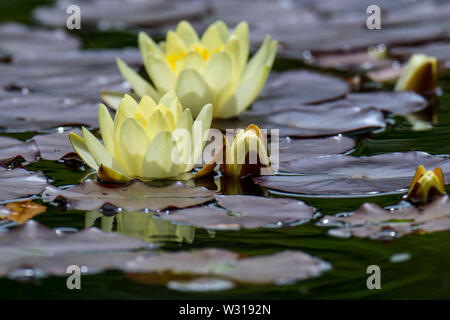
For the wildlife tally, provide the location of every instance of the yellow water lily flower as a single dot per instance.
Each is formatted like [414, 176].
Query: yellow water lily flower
[211, 69]
[247, 154]
[426, 185]
[420, 74]
[145, 140]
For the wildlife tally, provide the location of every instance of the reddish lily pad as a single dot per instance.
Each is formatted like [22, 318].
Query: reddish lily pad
[243, 212]
[18, 183]
[347, 175]
[370, 220]
[90, 195]
[284, 267]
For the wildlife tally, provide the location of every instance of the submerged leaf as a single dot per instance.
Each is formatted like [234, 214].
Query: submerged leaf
[22, 211]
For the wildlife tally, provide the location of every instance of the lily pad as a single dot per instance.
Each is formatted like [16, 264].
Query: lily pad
[347, 175]
[370, 220]
[307, 121]
[306, 86]
[18, 183]
[19, 41]
[243, 212]
[440, 50]
[35, 112]
[90, 195]
[35, 246]
[284, 267]
[106, 14]
[10, 148]
[54, 146]
[292, 149]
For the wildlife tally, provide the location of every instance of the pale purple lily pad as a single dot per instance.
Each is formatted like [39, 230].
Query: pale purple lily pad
[19, 183]
[306, 86]
[34, 246]
[21, 41]
[347, 175]
[370, 220]
[54, 146]
[11, 148]
[283, 267]
[308, 121]
[90, 195]
[440, 50]
[240, 211]
[292, 149]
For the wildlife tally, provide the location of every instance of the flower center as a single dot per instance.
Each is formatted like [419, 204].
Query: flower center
[174, 58]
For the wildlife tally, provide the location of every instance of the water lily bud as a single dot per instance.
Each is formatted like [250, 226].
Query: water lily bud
[426, 185]
[146, 141]
[420, 74]
[212, 68]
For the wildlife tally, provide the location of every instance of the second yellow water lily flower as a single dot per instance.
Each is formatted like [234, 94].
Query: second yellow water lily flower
[247, 154]
[426, 185]
[145, 140]
[211, 69]
[420, 74]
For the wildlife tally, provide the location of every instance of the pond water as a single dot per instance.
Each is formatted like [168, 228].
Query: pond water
[424, 273]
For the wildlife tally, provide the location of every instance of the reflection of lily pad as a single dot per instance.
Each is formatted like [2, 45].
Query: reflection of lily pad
[339, 174]
[90, 195]
[18, 183]
[370, 220]
[243, 212]
[280, 268]
[35, 246]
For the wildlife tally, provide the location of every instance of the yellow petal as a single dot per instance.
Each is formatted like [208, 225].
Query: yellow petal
[222, 29]
[211, 39]
[193, 60]
[186, 32]
[241, 32]
[158, 162]
[80, 147]
[144, 110]
[133, 144]
[161, 74]
[106, 128]
[158, 122]
[168, 98]
[183, 137]
[193, 91]
[112, 99]
[174, 44]
[218, 71]
[147, 45]
[110, 175]
[420, 74]
[200, 133]
[137, 83]
[96, 149]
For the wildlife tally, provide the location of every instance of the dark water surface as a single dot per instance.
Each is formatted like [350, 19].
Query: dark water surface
[425, 275]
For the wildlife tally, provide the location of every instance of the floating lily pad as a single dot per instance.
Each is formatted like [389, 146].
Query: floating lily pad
[11, 148]
[370, 220]
[54, 146]
[34, 246]
[357, 61]
[107, 14]
[292, 149]
[308, 121]
[243, 212]
[347, 175]
[439, 50]
[90, 195]
[20, 41]
[18, 183]
[306, 86]
[281, 268]
[35, 111]
[201, 285]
